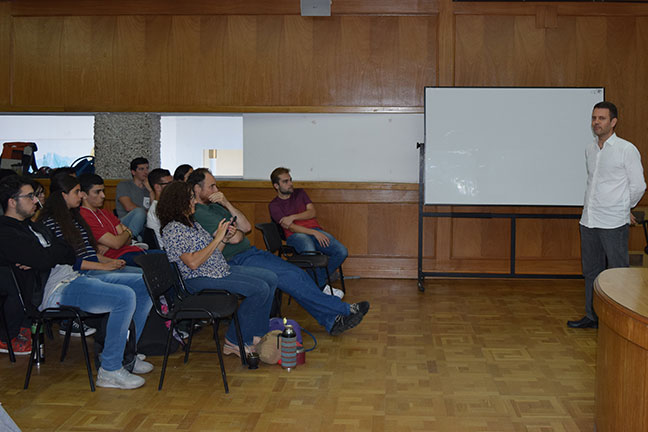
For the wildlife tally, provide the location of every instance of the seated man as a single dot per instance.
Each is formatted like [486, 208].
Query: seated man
[132, 197]
[294, 211]
[43, 267]
[157, 179]
[113, 238]
[212, 207]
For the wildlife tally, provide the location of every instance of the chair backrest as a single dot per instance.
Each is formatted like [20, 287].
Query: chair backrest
[148, 236]
[159, 277]
[271, 236]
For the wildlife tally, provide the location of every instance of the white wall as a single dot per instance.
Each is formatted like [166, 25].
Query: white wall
[333, 147]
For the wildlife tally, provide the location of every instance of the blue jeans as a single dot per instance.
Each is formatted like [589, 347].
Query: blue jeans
[335, 251]
[130, 277]
[295, 282]
[135, 220]
[93, 295]
[601, 249]
[254, 311]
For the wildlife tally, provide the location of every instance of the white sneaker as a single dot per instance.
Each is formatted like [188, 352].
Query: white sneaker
[336, 292]
[121, 379]
[141, 356]
[141, 366]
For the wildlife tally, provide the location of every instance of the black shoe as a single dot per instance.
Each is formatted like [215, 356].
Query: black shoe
[76, 329]
[343, 323]
[584, 322]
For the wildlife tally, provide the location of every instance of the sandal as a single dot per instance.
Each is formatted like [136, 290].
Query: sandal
[232, 348]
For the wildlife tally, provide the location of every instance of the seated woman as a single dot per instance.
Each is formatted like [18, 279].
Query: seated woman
[61, 215]
[203, 266]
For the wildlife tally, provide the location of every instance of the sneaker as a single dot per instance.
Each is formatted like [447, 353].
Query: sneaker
[362, 307]
[343, 323]
[20, 344]
[76, 329]
[120, 378]
[141, 356]
[143, 246]
[141, 366]
[336, 292]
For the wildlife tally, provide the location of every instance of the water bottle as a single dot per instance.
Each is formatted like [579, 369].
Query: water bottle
[288, 348]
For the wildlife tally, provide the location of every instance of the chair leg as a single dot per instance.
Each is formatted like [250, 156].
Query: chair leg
[84, 344]
[166, 354]
[239, 336]
[66, 340]
[220, 355]
[342, 279]
[187, 347]
[48, 330]
[35, 352]
[12, 356]
[328, 278]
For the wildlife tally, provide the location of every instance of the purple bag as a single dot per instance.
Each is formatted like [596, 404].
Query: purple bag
[278, 324]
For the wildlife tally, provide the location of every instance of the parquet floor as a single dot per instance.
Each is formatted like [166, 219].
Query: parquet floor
[466, 355]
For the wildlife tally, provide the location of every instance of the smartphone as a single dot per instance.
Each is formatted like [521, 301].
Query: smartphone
[233, 220]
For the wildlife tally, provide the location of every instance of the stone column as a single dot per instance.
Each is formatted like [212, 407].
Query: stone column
[121, 137]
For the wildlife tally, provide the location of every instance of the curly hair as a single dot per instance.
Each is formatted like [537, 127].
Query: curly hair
[56, 208]
[175, 204]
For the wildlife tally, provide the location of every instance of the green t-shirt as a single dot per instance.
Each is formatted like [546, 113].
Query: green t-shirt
[209, 216]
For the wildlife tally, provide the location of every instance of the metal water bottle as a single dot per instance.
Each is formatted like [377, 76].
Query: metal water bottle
[288, 348]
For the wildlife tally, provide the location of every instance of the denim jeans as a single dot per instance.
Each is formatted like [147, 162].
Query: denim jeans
[135, 220]
[131, 277]
[254, 311]
[295, 282]
[335, 251]
[601, 249]
[97, 296]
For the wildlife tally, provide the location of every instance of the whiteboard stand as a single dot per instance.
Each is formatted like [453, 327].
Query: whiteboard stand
[513, 218]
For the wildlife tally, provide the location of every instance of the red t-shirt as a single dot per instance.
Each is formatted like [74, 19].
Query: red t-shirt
[102, 222]
[296, 203]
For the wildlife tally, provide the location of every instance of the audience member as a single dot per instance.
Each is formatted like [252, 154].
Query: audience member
[158, 179]
[182, 172]
[132, 198]
[295, 212]
[42, 264]
[199, 258]
[61, 215]
[212, 207]
[113, 238]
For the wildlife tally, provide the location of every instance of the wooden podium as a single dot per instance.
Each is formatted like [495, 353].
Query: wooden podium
[621, 302]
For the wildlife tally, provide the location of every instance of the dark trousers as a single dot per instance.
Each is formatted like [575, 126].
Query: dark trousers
[601, 249]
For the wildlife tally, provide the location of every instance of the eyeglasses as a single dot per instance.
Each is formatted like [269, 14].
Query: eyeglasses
[30, 196]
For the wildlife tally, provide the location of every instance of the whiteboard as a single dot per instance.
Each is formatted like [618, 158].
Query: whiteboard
[333, 147]
[507, 146]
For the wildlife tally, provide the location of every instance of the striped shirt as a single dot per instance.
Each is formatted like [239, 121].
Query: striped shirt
[83, 253]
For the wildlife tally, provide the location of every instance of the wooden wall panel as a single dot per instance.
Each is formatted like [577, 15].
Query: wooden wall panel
[216, 63]
[5, 50]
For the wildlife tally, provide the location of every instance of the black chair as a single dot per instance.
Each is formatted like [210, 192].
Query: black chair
[306, 260]
[4, 294]
[148, 237]
[62, 312]
[163, 281]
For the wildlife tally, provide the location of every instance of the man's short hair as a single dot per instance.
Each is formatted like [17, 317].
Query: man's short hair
[138, 161]
[10, 187]
[274, 177]
[614, 113]
[156, 175]
[197, 176]
[87, 181]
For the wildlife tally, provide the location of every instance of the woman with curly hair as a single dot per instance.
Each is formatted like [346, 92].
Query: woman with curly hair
[202, 265]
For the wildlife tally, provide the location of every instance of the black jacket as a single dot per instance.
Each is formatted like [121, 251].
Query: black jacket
[19, 245]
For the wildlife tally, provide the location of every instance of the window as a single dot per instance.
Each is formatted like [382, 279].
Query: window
[203, 140]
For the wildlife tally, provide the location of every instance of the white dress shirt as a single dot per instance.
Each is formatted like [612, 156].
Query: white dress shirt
[615, 183]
